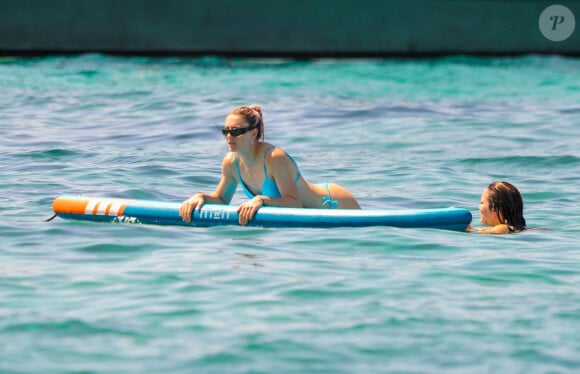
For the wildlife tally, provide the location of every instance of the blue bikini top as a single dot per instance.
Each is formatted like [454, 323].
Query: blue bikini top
[269, 187]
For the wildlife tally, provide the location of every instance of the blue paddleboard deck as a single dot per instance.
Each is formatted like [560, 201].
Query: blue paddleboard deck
[167, 213]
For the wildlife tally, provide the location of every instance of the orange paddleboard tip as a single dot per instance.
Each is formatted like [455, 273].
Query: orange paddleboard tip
[69, 206]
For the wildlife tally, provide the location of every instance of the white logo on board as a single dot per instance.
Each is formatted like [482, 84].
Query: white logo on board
[557, 23]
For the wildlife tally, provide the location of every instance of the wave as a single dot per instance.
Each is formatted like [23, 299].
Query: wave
[524, 161]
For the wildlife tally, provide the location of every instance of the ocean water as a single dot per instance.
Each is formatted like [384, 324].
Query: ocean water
[98, 298]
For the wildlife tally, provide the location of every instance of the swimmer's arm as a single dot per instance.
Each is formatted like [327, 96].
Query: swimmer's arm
[222, 195]
[224, 191]
[226, 187]
[283, 171]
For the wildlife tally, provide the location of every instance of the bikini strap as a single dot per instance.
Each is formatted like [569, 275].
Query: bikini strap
[265, 153]
[327, 200]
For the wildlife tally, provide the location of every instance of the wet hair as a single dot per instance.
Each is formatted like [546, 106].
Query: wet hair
[505, 199]
[252, 114]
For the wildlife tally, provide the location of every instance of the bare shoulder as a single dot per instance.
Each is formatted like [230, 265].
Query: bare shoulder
[228, 162]
[498, 229]
[279, 163]
[228, 159]
[277, 156]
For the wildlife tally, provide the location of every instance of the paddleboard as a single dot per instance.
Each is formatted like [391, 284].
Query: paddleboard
[137, 211]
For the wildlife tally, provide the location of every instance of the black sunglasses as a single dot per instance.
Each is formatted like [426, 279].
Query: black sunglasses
[237, 132]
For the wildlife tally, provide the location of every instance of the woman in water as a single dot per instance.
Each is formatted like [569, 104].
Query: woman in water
[268, 175]
[501, 208]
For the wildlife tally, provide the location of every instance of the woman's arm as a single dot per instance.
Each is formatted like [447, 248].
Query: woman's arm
[222, 195]
[283, 171]
[226, 188]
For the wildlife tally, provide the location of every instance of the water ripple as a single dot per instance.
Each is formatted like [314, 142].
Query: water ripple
[81, 296]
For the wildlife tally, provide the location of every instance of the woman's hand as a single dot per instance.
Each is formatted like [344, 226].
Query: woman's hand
[247, 210]
[188, 206]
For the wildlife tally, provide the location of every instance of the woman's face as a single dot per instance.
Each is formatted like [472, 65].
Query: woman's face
[488, 215]
[235, 142]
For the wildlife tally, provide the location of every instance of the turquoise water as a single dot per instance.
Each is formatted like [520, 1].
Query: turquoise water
[91, 297]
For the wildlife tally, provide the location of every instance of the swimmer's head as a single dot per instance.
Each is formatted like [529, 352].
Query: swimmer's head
[252, 114]
[506, 202]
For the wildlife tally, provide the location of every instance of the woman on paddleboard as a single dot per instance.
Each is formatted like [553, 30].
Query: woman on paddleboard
[269, 176]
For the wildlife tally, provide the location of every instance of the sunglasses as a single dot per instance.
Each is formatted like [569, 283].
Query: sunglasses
[237, 132]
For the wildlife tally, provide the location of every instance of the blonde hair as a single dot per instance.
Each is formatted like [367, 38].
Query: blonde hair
[252, 114]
